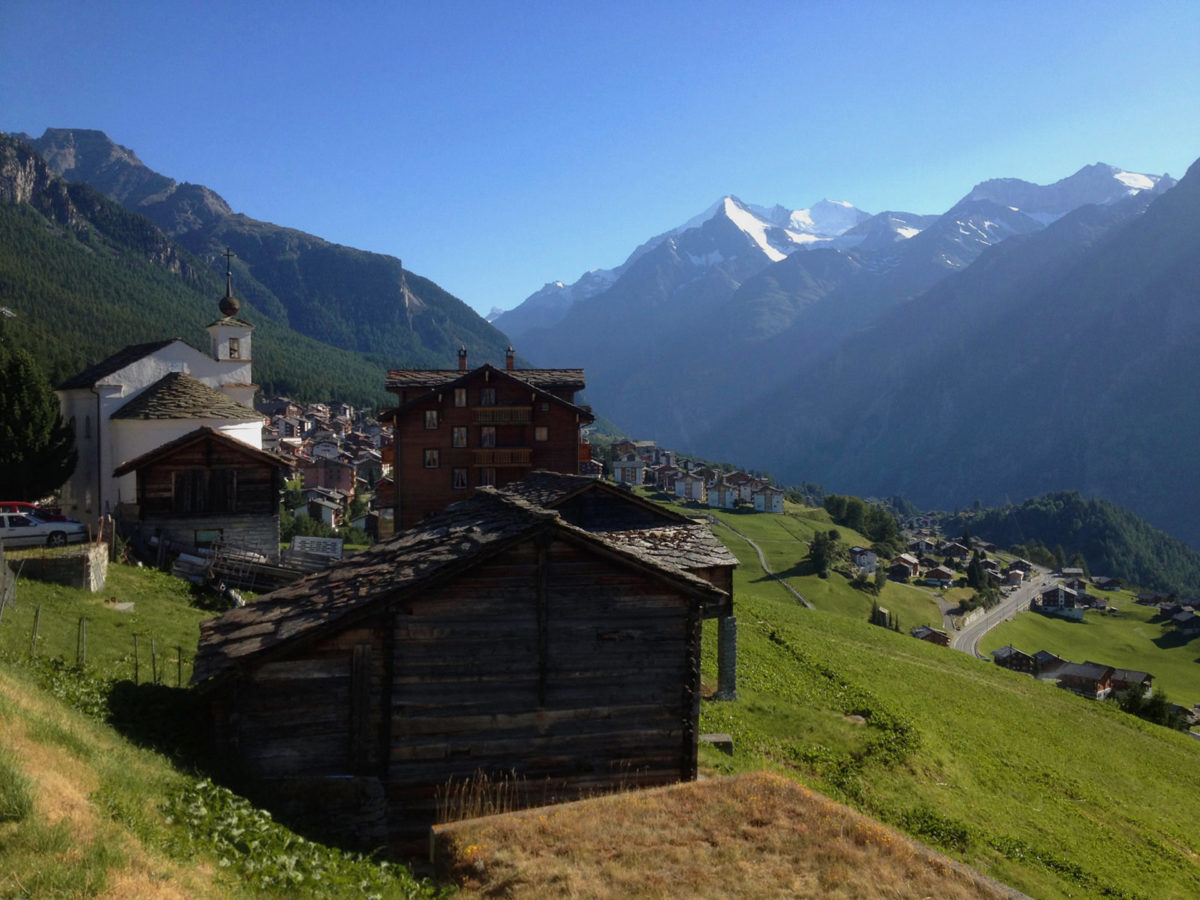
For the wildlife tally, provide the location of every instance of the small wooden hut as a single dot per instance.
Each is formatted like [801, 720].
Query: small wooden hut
[492, 638]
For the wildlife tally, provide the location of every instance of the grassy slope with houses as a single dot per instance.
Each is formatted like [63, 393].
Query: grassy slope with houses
[1050, 793]
[1053, 794]
[1132, 637]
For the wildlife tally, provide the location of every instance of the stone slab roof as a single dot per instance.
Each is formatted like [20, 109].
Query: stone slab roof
[678, 542]
[546, 379]
[687, 547]
[178, 395]
[114, 363]
[461, 536]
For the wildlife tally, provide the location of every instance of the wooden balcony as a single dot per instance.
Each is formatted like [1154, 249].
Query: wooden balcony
[507, 456]
[502, 415]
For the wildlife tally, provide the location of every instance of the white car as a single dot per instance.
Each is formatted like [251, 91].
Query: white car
[19, 530]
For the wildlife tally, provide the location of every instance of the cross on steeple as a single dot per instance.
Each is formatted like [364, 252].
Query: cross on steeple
[229, 304]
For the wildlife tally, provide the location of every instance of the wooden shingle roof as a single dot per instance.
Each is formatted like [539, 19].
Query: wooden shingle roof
[178, 395]
[442, 546]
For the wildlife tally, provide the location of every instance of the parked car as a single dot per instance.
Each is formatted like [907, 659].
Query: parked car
[20, 530]
[30, 509]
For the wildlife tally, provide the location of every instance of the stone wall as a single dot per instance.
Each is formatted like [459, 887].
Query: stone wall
[84, 567]
[258, 533]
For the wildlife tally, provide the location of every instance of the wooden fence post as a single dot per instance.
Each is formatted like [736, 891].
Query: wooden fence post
[81, 642]
[37, 620]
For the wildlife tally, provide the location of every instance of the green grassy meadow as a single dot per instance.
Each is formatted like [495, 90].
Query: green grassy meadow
[165, 617]
[1052, 794]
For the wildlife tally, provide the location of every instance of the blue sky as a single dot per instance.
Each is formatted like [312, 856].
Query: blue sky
[497, 146]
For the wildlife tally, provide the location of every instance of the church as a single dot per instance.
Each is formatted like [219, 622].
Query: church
[150, 395]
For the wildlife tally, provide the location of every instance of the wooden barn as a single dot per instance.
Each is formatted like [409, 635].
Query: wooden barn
[495, 638]
[206, 487]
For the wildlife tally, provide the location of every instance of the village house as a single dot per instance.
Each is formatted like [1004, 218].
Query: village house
[906, 564]
[939, 576]
[722, 495]
[459, 430]
[691, 486]
[919, 545]
[1132, 681]
[493, 639]
[330, 473]
[1047, 664]
[1089, 679]
[864, 559]
[1009, 657]
[769, 499]
[1059, 600]
[931, 635]
[629, 469]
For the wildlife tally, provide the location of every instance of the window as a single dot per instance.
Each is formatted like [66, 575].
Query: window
[235, 348]
[458, 436]
[432, 460]
[487, 397]
[541, 433]
[431, 419]
[487, 436]
[487, 477]
[460, 479]
[460, 397]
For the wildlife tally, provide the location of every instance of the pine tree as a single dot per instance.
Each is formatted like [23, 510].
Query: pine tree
[37, 450]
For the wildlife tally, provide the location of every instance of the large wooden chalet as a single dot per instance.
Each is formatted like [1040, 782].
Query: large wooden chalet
[457, 430]
[496, 637]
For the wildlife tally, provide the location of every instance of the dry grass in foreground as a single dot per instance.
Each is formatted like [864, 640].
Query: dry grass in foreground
[757, 835]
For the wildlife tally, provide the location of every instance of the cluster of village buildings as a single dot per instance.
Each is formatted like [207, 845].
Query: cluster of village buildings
[644, 462]
[939, 563]
[337, 453]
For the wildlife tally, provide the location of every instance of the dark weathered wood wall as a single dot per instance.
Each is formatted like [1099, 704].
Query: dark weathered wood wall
[257, 483]
[548, 662]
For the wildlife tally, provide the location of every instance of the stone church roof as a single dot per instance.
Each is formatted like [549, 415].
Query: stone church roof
[178, 395]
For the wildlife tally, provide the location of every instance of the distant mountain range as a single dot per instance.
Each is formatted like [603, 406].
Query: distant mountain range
[350, 299]
[1029, 339]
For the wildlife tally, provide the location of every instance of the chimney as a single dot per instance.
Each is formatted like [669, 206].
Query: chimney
[508, 357]
[462, 358]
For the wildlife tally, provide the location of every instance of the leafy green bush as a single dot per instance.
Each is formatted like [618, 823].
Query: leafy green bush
[269, 857]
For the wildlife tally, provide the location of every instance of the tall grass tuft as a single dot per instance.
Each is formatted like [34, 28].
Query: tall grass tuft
[16, 796]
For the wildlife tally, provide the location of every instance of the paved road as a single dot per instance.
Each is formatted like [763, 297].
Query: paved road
[968, 639]
[763, 562]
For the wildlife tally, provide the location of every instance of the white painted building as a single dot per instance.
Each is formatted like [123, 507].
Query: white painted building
[148, 394]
